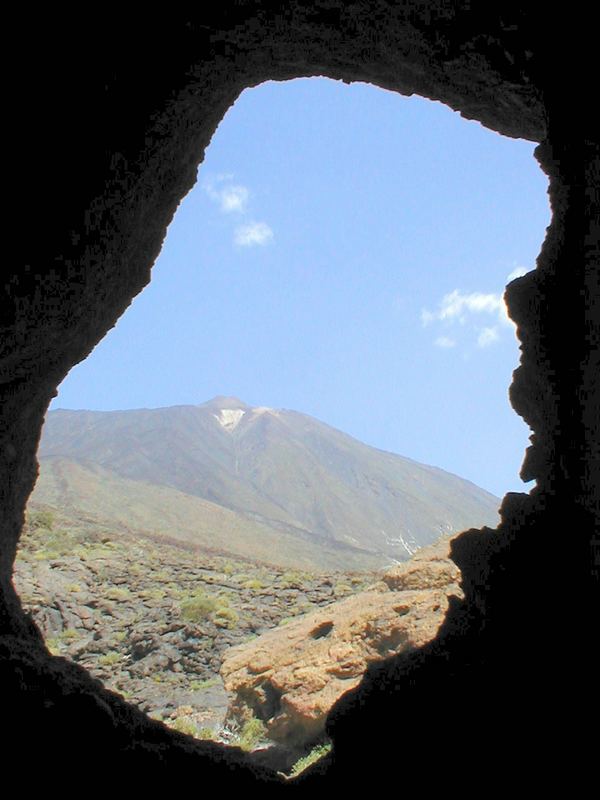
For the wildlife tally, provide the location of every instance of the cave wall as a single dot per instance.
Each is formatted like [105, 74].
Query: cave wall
[112, 117]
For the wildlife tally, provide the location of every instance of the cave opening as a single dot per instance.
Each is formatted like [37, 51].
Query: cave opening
[453, 309]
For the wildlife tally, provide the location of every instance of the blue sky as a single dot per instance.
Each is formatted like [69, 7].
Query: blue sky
[343, 254]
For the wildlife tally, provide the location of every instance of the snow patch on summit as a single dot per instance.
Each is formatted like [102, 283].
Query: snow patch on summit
[229, 418]
[264, 410]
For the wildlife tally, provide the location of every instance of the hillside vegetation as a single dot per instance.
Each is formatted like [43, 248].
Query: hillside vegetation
[152, 620]
[259, 483]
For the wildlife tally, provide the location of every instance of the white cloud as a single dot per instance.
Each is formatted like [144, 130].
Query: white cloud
[445, 341]
[476, 316]
[459, 307]
[518, 272]
[233, 197]
[487, 336]
[254, 233]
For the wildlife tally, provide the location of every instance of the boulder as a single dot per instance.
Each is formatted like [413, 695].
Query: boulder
[290, 677]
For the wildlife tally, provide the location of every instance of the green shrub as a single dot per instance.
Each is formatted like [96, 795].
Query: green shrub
[183, 711]
[118, 593]
[315, 755]
[254, 583]
[47, 544]
[197, 686]
[110, 658]
[205, 733]
[225, 617]
[342, 588]
[54, 645]
[198, 607]
[41, 519]
[253, 732]
[184, 725]
[292, 580]
[152, 594]
[69, 634]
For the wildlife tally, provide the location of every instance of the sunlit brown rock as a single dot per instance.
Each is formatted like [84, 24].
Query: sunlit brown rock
[290, 677]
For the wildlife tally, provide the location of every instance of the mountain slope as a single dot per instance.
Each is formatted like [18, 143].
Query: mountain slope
[88, 492]
[281, 470]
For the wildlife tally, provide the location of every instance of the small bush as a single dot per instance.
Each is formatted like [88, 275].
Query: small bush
[197, 686]
[205, 733]
[225, 617]
[200, 606]
[253, 732]
[69, 634]
[292, 580]
[54, 645]
[110, 658]
[41, 519]
[118, 593]
[342, 588]
[152, 594]
[184, 725]
[297, 609]
[254, 583]
[183, 711]
[315, 755]
[47, 544]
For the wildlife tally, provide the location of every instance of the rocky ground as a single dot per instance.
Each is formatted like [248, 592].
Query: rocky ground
[290, 677]
[154, 621]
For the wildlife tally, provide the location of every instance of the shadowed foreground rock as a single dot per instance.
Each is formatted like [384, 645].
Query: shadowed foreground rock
[291, 677]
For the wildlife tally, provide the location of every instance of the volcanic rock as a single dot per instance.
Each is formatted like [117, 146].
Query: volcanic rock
[290, 677]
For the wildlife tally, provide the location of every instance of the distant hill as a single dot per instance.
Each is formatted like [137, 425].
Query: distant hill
[263, 483]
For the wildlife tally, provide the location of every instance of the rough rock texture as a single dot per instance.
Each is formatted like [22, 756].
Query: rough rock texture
[112, 117]
[290, 677]
[153, 620]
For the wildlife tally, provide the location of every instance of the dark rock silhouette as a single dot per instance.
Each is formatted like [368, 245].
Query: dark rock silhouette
[113, 115]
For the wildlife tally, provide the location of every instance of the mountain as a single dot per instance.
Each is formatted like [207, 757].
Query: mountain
[263, 483]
